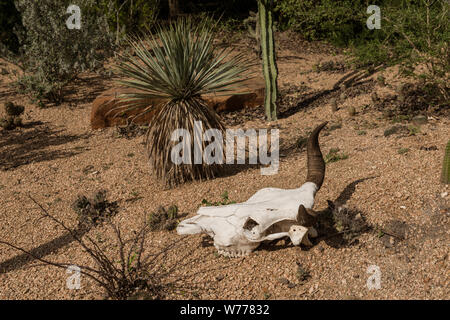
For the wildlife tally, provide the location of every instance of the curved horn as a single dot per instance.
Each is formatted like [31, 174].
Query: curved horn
[315, 163]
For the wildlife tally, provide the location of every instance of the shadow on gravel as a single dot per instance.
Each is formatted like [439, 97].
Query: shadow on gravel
[43, 250]
[352, 80]
[85, 89]
[340, 226]
[33, 143]
[90, 211]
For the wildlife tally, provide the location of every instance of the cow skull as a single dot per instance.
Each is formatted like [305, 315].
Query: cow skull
[270, 214]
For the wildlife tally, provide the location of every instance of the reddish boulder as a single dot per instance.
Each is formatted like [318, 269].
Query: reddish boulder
[249, 95]
[107, 112]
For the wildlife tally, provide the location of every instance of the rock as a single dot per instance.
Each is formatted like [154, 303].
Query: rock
[236, 101]
[444, 194]
[420, 119]
[104, 114]
[250, 94]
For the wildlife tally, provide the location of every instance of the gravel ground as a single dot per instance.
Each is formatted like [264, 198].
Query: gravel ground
[56, 157]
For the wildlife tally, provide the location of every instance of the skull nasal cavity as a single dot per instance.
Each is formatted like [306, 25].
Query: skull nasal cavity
[250, 224]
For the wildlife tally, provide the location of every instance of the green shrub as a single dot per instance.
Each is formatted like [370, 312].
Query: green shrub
[225, 201]
[55, 55]
[334, 156]
[412, 32]
[130, 17]
[413, 130]
[340, 22]
[421, 33]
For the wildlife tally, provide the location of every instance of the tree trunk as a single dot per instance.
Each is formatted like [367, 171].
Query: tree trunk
[174, 8]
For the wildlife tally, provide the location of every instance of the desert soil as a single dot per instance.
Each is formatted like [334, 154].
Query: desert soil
[56, 156]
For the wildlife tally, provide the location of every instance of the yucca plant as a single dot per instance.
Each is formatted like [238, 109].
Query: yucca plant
[170, 73]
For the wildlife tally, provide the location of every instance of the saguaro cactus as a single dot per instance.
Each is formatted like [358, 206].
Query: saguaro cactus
[445, 178]
[265, 15]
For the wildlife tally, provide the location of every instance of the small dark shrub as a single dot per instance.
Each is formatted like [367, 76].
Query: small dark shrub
[12, 119]
[302, 273]
[395, 129]
[349, 223]
[95, 210]
[164, 219]
[13, 110]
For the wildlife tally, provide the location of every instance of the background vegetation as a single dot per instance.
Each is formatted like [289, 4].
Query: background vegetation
[412, 32]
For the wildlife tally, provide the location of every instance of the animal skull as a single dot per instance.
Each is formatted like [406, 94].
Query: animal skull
[270, 214]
